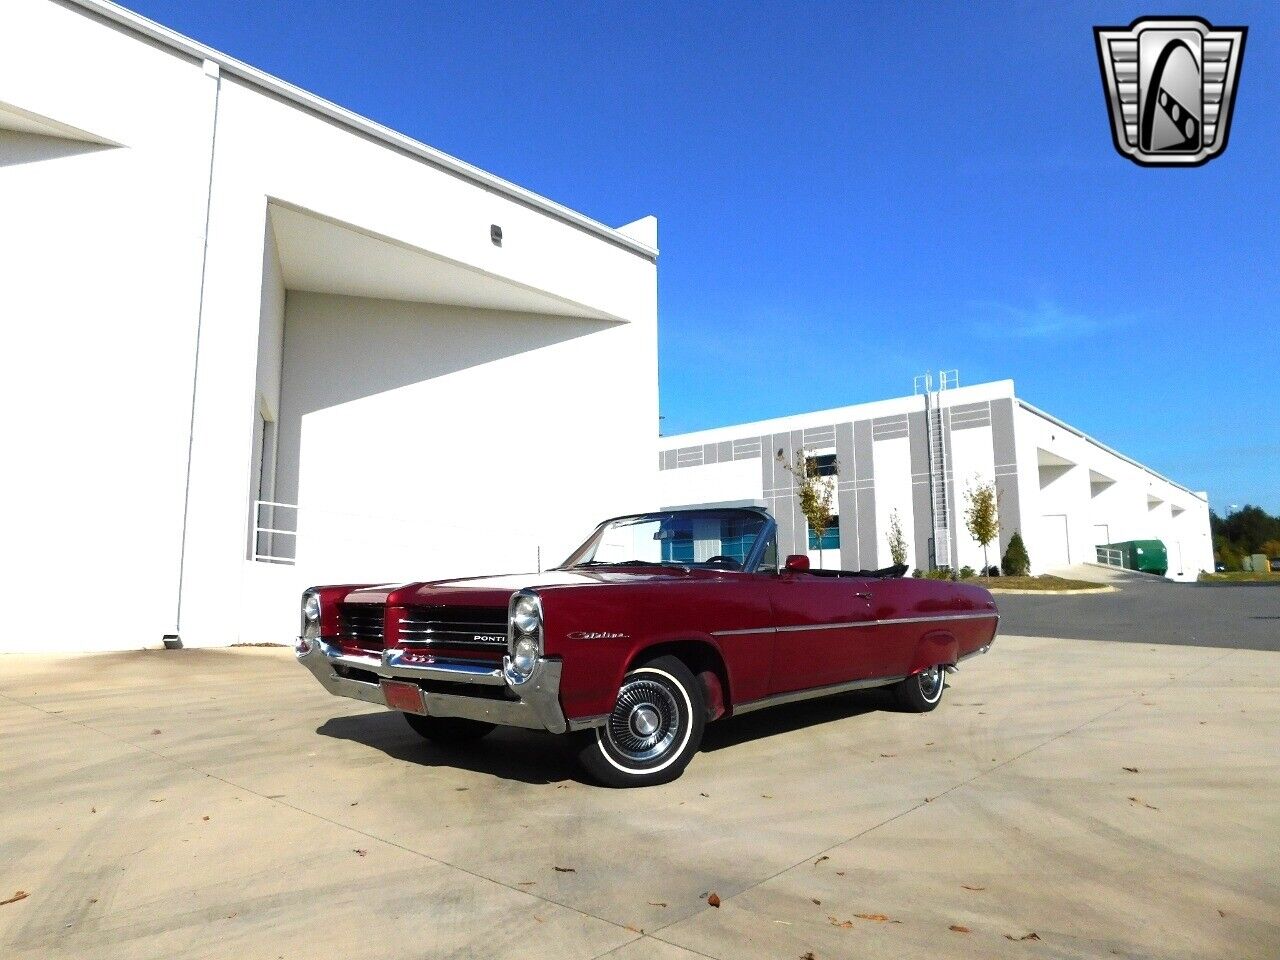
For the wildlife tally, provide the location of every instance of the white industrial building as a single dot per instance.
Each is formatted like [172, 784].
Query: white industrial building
[232, 308]
[917, 456]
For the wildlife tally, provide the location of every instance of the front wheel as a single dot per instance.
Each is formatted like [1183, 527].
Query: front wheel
[922, 691]
[448, 731]
[654, 730]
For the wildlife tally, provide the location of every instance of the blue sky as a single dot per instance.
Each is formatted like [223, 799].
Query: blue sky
[850, 195]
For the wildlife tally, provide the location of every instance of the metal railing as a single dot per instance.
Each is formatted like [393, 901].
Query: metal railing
[1110, 556]
[266, 528]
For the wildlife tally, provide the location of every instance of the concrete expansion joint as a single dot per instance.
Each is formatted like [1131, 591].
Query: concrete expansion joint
[1137, 698]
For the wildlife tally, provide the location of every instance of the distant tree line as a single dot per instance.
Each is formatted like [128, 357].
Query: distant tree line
[1246, 531]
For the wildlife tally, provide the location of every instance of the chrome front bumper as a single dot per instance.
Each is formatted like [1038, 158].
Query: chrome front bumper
[533, 703]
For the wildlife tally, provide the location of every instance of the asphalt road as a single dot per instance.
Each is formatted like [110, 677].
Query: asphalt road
[1241, 616]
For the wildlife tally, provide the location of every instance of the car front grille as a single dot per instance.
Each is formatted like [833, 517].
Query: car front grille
[467, 628]
[360, 625]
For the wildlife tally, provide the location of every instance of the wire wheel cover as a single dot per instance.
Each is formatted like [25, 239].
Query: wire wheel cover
[645, 720]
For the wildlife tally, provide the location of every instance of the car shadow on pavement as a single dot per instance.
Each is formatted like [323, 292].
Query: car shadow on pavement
[795, 716]
[537, 758]
[508, 752]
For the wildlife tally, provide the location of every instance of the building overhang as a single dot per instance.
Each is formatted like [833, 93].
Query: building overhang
[323, 255]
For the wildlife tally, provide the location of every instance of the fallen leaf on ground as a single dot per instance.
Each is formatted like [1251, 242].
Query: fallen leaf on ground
[967, 887]
[154, 732]
[564, 869]
[820, 859]
[354, 803]
[930, 743]
[20, 895]
[807, 956]
[1143, 803]
[713, 899]
[460, 789]
[360, 853]
[93, 899]
[958, 928]
[633, 929]
[1026, 936]
[704, 794]
[842, 924]
[538, 918]
[767, 796]
[816, 900]
[656, 903]
[888, 754]
[1222, 913]
[161, 800]
[1130, 769]
[526, 883]
[839, 873]
[206, 817]
[93, 809]
[876, 917]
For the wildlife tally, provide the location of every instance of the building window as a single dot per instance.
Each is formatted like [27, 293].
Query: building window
[679, 548]
[830, 539]
[823, 465]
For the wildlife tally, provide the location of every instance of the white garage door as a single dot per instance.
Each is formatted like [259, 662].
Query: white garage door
[1052, 550]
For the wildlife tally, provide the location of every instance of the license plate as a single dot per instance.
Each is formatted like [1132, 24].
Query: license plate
[403, 696]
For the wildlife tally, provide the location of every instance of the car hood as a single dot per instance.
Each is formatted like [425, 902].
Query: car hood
[497, 590]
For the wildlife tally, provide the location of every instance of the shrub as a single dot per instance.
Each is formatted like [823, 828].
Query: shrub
[967, 572]
[1016, 563]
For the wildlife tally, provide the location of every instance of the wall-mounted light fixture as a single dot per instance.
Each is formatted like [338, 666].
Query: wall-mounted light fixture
[495, 234]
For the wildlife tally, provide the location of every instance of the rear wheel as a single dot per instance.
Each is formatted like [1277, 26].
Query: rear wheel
[922, 691]
[654, 730]
[448, 730]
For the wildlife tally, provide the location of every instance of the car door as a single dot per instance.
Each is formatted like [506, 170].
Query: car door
[821, 635]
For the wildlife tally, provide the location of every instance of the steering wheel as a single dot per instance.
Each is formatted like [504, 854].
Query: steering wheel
[729, 563]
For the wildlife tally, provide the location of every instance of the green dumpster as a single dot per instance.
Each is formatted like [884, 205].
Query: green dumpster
[1145, 556]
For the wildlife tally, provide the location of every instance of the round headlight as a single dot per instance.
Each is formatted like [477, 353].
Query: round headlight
[311, 608]
[525, 615]
[525, 657]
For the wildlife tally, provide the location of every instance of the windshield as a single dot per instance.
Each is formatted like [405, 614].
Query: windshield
[718, 539]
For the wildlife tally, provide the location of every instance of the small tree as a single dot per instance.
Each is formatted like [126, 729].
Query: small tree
[1015, 563]
[981, 516]
[897, 540]
[814, 494]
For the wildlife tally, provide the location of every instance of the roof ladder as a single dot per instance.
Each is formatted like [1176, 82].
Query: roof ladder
[938, 424]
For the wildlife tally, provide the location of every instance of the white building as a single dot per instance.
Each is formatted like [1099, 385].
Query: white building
[219, 289]
[916, 457]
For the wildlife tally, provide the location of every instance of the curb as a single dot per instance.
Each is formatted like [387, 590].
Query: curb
[1056, 593]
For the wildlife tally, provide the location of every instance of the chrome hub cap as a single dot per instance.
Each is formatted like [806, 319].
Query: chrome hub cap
[644, 721]
[930, 683]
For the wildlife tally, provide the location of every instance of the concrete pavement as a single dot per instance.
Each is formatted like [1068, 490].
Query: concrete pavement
[220, 804]
[1148, 609]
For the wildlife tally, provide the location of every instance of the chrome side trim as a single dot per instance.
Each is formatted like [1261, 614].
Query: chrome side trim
[588, 723]
[796, 695]
[974, 653]
[795, 628]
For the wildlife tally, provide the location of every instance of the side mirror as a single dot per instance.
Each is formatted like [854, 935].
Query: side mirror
[796, 563]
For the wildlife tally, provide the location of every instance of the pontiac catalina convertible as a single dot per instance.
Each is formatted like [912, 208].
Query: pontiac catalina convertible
[657, 625]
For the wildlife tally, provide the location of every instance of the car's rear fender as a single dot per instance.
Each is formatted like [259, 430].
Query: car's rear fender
[935, 647]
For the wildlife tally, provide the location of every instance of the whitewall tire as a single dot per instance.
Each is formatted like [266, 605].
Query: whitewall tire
[654, 729]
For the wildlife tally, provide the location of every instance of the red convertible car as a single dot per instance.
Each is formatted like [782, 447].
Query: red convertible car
[657, 625]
